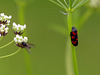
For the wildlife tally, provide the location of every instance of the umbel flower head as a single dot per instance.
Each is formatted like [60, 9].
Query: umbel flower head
[94, 3]
[3, 30]
[4, 19]
[19, 40]
[18, 29]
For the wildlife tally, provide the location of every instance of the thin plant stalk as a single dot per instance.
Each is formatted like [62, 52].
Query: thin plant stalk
[71, 55]
[7, 44]
[1, 37]
[5, 56]
[21, 17]
[68, 58]
[74, 61]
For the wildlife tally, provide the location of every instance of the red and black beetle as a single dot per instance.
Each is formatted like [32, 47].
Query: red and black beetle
[74, 36]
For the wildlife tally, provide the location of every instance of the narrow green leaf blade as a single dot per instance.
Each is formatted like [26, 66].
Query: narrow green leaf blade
[74, 3]
[62, 4]
[57, 4]
[66, 3]
[81, 4]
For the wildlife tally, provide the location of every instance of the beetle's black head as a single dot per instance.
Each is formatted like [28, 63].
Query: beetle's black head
[74, 29]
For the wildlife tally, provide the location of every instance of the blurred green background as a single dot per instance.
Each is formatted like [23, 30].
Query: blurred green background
[48, 57]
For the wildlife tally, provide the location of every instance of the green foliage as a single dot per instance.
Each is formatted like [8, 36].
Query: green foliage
[71, 54]
[71, 5]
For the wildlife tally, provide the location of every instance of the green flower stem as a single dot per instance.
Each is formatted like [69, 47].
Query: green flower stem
[69, 22]
[74, 61]
[1, 37]
[84, 18]
[7, 44]
[68, 58]
[71, 55]
[21, 8]
[70, 4]
[10, 54]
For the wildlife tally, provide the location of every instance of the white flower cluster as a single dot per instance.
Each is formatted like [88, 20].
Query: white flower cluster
[18, 29]
[4, 19]
[3, 30]
[94, 3]
[19, 39]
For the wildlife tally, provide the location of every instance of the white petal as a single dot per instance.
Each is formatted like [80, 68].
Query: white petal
[24, 25]
[14, 23]
[25, 39]
[22, 28]
[0, 35]
[10, 17]
[2, 30]
[2, 14]
[8, 21]
[17, 36]
[5, 16]
[7, 28]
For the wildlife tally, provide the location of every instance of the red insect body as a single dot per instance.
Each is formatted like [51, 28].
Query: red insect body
[74, 36]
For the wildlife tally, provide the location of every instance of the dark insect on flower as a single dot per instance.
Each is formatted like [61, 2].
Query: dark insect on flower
[74, 36]
[27, 46]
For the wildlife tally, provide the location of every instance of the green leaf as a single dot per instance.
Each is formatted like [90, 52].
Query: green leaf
[57, 4]
[74, 3]
[81, 3]
[62, 4]
[66, 3]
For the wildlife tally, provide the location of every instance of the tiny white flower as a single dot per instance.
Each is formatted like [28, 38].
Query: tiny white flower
[10, 17]
[5, 16]
[14, 23]
[25, 39]
[17, 36]
[16, 41]
[2, 14]
[3, 26]
[20, 37]
[2, 30]
[24, 25]
[6, 28]
[17, 28]
[8, 21]
[22, 28]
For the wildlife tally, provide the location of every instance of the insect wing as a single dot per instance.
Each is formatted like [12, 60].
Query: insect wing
[28, 50]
